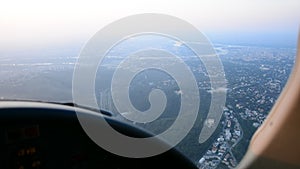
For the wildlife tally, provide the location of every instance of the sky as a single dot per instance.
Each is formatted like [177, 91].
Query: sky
[36, 23]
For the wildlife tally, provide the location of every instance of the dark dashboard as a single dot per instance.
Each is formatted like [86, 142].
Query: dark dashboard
[47, 136]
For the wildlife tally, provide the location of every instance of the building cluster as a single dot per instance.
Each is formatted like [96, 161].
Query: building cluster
[256, 77]
[254, 116]
[220, 151]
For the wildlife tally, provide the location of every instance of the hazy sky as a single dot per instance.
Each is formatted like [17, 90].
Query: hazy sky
[29, 23]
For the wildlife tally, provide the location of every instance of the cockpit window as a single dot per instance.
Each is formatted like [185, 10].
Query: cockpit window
[254, 41]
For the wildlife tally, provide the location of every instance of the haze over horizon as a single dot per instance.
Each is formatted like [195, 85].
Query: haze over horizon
[33, 24]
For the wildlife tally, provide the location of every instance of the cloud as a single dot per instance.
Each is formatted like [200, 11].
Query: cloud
[218, 90]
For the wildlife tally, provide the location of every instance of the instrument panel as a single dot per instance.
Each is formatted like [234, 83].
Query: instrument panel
[47, 136]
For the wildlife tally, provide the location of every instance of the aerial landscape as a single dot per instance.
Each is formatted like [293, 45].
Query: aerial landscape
[255, 77]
